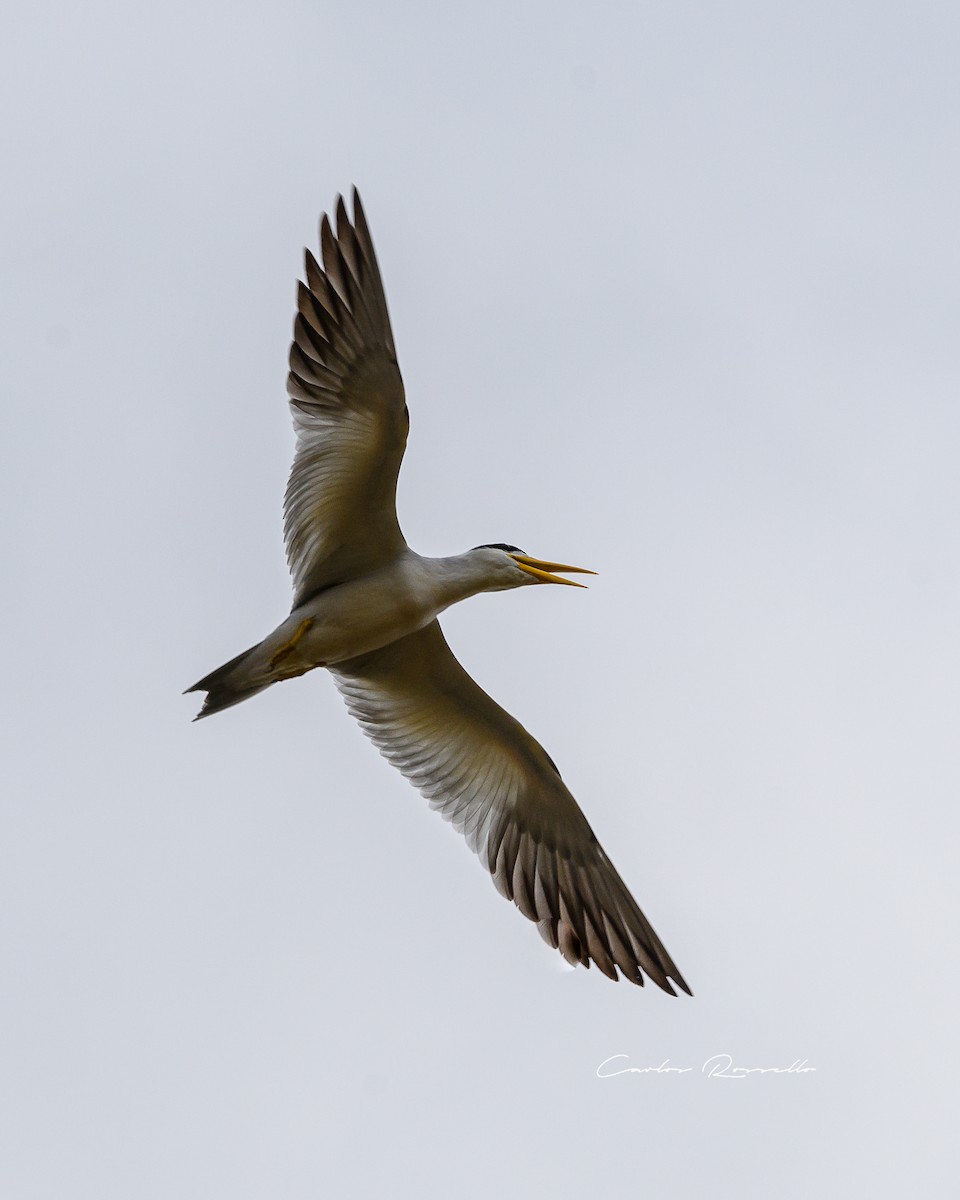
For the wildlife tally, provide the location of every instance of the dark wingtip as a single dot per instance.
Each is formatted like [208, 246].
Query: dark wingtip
[681, 983]
[359, 216]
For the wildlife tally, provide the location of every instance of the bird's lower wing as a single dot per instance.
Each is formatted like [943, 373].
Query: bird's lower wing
[487, 775]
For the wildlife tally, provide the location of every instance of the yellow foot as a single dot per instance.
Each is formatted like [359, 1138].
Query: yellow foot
[293, 673]
[289, 648]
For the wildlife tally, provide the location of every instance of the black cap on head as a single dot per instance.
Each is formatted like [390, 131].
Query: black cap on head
[500, 546]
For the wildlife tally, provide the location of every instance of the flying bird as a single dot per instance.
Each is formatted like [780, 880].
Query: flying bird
[365, 607]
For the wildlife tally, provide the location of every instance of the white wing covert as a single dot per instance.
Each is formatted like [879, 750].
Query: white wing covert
[481, 769]
[347, 400]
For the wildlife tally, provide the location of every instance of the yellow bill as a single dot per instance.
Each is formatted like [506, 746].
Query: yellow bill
[545, 570]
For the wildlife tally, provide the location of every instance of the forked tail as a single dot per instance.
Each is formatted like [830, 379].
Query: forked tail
[237, 680]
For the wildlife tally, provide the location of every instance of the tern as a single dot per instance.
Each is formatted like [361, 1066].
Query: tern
[365, 607]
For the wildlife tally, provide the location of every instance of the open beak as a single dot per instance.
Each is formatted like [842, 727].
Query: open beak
[544, 570]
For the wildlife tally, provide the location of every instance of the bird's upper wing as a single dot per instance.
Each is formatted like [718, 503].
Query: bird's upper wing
[346, 396]
[484, 772]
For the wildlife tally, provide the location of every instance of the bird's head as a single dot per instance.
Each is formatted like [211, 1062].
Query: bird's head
[510, 567]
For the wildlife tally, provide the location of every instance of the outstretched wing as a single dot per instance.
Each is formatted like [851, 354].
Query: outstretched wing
[484, 772]
[346, 396]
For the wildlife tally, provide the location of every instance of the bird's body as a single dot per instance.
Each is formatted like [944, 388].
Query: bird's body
[365, 607]
[352, 618]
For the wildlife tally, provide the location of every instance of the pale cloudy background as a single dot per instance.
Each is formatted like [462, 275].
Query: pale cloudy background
[675, 292]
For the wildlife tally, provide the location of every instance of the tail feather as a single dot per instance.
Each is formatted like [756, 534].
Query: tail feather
[229, 684]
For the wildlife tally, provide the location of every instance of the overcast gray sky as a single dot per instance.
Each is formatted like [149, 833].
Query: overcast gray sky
[675, 294]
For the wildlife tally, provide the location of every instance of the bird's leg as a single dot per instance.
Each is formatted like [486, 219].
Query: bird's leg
[293, 673]
[292, 644]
